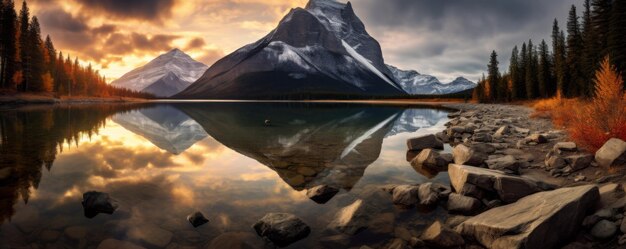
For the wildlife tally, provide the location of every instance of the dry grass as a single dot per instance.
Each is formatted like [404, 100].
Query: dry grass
[590, 122]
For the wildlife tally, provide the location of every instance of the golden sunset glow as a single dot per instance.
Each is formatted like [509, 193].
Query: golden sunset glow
[116, 36]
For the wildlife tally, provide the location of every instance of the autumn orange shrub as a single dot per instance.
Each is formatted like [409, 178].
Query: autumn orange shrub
[591, 123]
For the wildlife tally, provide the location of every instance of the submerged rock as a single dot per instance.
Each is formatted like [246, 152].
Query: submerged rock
[429, 194]
[542, 220]
[424, 142]
[233, 240]
[151, 235]
[440, 236]
[352, 219]
[405, 195]
[322, 193]
[281, 228]
[116, 244]
[98, 202]
[197, 219]
[612, 153]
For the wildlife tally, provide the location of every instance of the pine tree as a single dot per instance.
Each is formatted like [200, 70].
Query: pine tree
[600, 19]
[515, 75]
[589, 55]
[617, 36]
[523, 63]
[544, 70]
[8, 44]
[560, 66]
[50, 55]
[574, 55]
[37, 61]
[23, 40]
[493, 75]
[531, 71]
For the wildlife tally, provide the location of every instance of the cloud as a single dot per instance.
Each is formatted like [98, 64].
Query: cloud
[195, 44]
[454, 37]
[146, 10]
[210, 56]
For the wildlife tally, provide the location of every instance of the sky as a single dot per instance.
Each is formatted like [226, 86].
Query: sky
[447, 38]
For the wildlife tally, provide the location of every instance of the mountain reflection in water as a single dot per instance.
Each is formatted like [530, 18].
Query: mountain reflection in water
[219, 158]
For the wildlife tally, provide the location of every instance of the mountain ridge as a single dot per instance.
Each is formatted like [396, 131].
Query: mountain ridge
[172, 72]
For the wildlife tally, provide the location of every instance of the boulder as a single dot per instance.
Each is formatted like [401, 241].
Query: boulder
[612, 153]
[428, 194]
[579, 162]
[555, 161]
[542, 220]
[522, 131]
[424, 142]
[95, 203]
[463, 204]
[484, 148]
[443, 137]
[282, 229]
[507, 187]
[322, 193]
[405, 195]
[468, 156]
[352, 219]
[565, 146]
[536, 138]
[604, 229]
[482, 138]
[501, 132]
[197, 219]
[440, 236]
[431, 159]
[506, 163]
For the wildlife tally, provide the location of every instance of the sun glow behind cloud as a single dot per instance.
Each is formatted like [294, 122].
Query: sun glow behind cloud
[117, 36]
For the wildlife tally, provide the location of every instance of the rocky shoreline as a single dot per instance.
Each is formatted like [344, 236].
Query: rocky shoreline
[515, 182]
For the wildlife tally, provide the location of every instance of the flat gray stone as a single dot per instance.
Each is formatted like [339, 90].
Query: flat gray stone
[405, 195]
[468, 156]
[604, 229]
[542, 220]
[565, 146]
[508, 188]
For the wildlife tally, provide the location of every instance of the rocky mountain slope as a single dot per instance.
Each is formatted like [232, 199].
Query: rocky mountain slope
[415, 83]
[321, 51]
[164, 76]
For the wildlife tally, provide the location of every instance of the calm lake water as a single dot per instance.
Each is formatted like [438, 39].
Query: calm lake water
[162, 162]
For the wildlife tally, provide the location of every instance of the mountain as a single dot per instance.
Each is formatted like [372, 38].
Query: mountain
[306, 146]
[415, 83]
[321, 51]
[164, 126]
[164, 76]
[412, 120]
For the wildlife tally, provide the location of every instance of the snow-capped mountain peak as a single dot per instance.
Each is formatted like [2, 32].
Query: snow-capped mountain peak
[321, 50]
[416, 83]
[164, 76]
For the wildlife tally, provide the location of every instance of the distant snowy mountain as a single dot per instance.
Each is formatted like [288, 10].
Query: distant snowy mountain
[164, 126]
[415, 83]
[321, 51]
[164, 76]
[412, 120]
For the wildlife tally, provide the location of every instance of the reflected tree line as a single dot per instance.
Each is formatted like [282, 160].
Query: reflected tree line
[31, 139]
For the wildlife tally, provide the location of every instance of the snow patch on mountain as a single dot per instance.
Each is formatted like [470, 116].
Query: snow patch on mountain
[173, 72]
[415, 83]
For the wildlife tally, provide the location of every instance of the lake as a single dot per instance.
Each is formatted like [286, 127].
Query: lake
[164, 161]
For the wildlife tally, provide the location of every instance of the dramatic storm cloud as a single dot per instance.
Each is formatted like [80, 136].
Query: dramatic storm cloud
[455, 37]
[447, 38]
